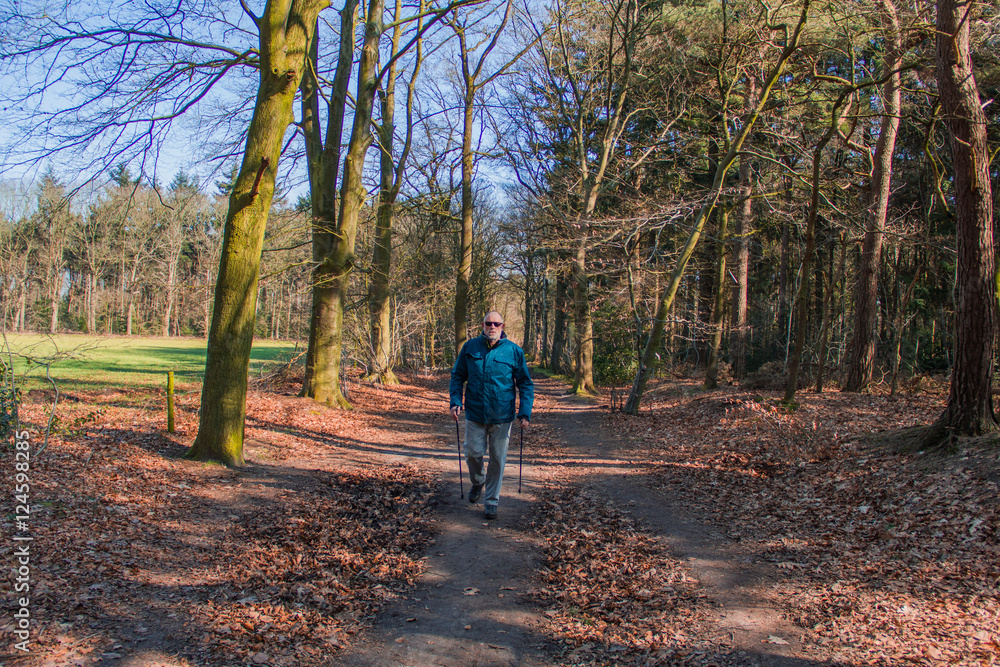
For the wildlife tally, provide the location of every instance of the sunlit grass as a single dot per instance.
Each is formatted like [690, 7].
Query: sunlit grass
[80, 362]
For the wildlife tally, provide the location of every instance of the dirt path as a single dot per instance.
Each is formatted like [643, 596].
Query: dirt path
[471, 606]
[478, 597]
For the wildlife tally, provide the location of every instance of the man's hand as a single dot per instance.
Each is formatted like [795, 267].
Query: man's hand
[456, 410]
[524, 422]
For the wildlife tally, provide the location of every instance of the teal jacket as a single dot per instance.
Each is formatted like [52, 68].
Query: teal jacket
[493, 378]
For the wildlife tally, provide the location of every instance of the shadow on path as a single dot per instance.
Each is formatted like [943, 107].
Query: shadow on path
[471, 606]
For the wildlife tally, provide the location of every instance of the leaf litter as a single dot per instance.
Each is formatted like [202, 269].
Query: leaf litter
[882, 557]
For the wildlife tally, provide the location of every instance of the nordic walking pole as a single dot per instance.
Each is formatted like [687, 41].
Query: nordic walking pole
[520, 462]
[458, 439]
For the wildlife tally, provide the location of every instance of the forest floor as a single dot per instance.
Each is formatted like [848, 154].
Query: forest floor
[713, 529]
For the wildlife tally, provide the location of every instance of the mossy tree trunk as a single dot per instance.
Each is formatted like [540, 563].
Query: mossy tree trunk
[285, 32]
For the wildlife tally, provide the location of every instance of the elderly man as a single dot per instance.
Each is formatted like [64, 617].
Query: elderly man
[493, 373]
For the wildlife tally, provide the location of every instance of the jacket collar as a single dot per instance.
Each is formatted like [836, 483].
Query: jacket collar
[486, 339]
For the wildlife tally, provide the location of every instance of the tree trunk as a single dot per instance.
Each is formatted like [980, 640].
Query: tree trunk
[380, 310]
[276, 315]
[899, 326]
[54, 305]
[285, 34]
[718, 310]
[828, 305]
[782, 321]
[559, 323]
[970, 407]
[862, 347]
[22, 300]
[86, 303]
[528, 344]
[168, 309]
[380, 307]
[322, 376]
[583, 381]
[738, 342]
[339, 261]
[544, 339]
[463, 276]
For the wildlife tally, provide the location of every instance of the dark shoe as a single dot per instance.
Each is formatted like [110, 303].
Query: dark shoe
[491, 512]
[475, 493]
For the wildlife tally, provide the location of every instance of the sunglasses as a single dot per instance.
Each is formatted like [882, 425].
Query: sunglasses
[492, 324]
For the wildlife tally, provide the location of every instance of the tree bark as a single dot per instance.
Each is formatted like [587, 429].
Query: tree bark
[168, 308]
[862, 347]
[583, 381]
[719, 307]
[380, 307]
[544, 347]
[463, 276]
[744, 230]
[969, 411]
[322, 376]
[782, 321]
[828, 306]
[285, 32]
[54, 303]
[559, 323]
[528, 344]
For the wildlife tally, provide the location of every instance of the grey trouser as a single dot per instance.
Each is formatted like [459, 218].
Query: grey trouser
[479, 438]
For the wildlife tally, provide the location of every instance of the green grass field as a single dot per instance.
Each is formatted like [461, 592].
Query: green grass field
[93, 363]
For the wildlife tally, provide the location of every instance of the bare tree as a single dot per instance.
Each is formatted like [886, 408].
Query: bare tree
[339, 216]
[390, 181]
[473, 57]
[102, 88]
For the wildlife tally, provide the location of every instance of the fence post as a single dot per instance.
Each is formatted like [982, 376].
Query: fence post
[170, 401]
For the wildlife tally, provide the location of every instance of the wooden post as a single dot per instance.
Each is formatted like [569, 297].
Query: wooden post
[170, 401]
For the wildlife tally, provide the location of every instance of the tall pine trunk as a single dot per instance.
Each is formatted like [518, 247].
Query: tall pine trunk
[556, 364]
[719, 306]
[862, 347]
[741, 295]
[970, 407]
